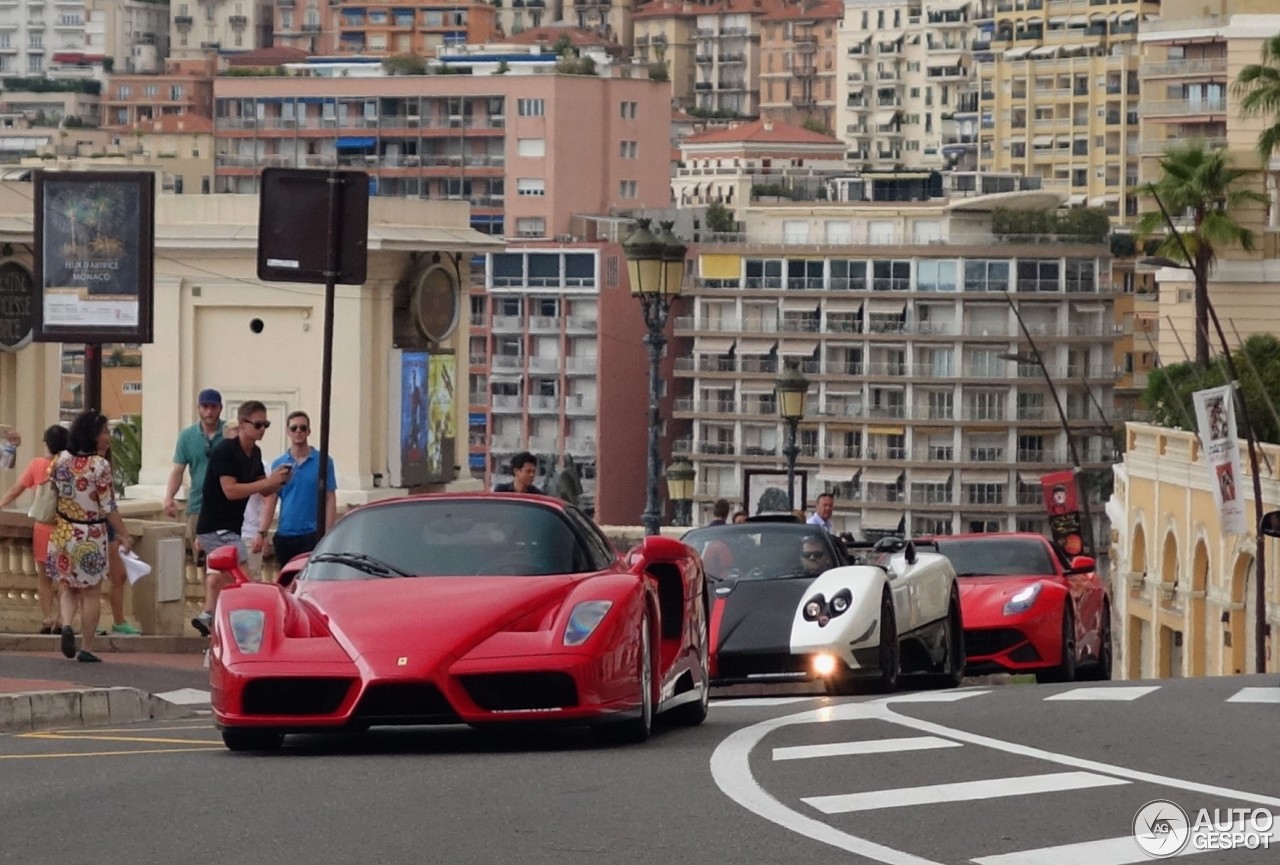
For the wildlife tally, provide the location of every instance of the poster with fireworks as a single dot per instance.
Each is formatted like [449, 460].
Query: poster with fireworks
[95, 245]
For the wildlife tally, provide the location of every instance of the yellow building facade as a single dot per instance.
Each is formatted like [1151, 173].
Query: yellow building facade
[1183, 591]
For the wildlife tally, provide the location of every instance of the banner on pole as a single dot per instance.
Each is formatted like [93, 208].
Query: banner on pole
[1216, 417]
[1063, 506]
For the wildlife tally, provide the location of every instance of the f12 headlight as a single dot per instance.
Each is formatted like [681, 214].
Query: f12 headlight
[246, 629]
[1022, 601]
[584, 619]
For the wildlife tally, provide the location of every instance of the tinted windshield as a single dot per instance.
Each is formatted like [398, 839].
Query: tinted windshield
[450, 537]
[764, 551]
[998, 557]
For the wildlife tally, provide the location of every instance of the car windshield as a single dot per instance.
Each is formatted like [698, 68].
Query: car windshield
[763, 551]
[998, 557]
[452, 537]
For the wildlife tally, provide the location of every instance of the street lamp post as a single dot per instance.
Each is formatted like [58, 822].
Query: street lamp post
[792, 388]
[680, 477]
[655, 267]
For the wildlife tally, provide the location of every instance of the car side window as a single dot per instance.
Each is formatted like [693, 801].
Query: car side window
[599, 553]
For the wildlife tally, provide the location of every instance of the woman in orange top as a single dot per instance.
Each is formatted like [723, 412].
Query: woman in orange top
[55, 440]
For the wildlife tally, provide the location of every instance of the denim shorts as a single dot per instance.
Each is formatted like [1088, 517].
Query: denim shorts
[211, 541]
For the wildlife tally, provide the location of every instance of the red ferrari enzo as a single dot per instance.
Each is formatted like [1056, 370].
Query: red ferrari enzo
[1027, 608]
[462, 609]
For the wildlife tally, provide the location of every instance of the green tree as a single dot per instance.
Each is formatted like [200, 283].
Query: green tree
[1258, 85]
[126, 452]
[1169, 388]
[813, 124]
[405, 64]
[658, 72]
[720, 218]
[1201, 183]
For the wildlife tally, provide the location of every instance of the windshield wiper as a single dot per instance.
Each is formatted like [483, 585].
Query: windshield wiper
[361, 562]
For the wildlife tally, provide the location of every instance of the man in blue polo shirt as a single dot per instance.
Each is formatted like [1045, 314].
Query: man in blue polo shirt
[296, 528]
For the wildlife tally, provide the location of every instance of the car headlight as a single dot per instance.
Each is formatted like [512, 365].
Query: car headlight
[584, 619]
[813, 607]
[1022, 601]
[246, 629]
[841, 601]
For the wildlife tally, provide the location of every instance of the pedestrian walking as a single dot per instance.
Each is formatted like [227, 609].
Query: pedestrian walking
[296, 531]
[524, 468]
[78, 543]
[195, 445]
[253, 532]
[823, 508]
[36, 472]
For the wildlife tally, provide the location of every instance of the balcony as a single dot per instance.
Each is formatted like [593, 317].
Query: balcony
[508, 323]
[1181, 107]
[1185, 68]
[1158, 146]
[182, 20]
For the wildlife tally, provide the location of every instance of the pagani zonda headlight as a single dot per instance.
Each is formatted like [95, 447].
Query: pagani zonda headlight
[1022, 601]
[584, 619]
[813, 608]
[246, 629]
[841, 601]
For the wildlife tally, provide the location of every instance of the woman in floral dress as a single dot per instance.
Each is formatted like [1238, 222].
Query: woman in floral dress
[78, 544]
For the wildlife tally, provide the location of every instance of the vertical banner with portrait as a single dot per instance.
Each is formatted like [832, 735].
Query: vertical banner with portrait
[1216, 418]
[1062, 504]
[441, 398]
[95, 249]
[415, 430]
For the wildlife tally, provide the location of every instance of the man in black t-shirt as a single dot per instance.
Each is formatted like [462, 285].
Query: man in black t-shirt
[234, 473]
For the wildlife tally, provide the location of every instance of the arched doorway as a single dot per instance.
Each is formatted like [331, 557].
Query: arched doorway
[1199, 648]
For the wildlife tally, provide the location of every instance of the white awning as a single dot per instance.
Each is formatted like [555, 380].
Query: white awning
[1030, 479]
[836, 476]
[1076, 199]
[1112, 197]
[756, 346]
[930, 476]
[884, 306]
[1044, 51]
[1017, 53]
[1087, 308]
[798, 348]
[713, 345]
[1097, 17]
[1078, 20]
[881, 520]
[1126, 17]
[1081, 47]
[1042, 140]
[843, 304]
[888, 36]
[884, 118]
[881, 475]
[1058, 19]
[984, 476]
[799, 304]
[505, 375]
[948, 5]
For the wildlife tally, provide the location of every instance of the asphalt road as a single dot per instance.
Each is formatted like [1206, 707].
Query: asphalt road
[761, 782]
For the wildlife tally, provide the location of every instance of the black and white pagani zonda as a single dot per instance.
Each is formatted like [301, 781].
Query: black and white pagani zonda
[791, 606]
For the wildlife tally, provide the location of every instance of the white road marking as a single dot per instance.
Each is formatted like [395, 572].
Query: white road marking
[740, 702]
[186, 697]
[1256, 695]
[965, 791]
[1104, 694]
[870, 746]
[731, 770]
[932, 697]
[1108, 851]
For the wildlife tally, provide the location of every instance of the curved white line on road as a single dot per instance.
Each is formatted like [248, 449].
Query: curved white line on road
[731, 769]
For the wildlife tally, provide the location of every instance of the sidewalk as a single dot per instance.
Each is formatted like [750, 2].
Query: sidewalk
[139, 678]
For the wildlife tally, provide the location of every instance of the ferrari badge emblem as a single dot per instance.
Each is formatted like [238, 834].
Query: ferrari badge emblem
[402, 662]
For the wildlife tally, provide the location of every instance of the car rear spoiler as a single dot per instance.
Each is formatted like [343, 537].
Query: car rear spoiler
[866, 552]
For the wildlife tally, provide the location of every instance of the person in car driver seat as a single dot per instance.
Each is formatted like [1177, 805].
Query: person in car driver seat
[814, 556]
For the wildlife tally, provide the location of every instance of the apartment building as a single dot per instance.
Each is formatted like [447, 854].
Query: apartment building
[1059, 96]
[905, 93]
[198, 26]
[921, 417]
[527, 151]
[556, 361]
[354, 27]
[728, 57]
[128, 100]
[133, 34]
[798, 69]
[727, 165]
[1191, 56]
[664, 36]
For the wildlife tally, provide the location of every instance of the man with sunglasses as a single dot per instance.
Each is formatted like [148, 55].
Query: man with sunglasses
[233, 475]
[195, 444]
[296, 532]
[814, 556]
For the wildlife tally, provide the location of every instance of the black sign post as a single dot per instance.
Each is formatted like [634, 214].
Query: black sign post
[295, 207]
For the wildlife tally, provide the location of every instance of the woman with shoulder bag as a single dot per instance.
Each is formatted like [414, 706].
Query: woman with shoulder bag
[78, 545]
[35, 474]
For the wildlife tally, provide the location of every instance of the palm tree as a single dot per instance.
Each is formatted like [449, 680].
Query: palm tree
[1201, 184]
[1258, 85]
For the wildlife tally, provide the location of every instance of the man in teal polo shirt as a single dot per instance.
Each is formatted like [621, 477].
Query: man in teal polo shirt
[195, 443]
[296, 530]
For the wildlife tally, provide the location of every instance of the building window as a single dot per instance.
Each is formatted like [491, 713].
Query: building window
[531, 186]
[531, 147]
[986, 405]
[530, 107]
[131, 387]
[986, 276]
[627, 189]
[531, 226]
[628, 149]
[627, 110]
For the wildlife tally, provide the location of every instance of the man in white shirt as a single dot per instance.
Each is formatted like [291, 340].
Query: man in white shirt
[822, 510]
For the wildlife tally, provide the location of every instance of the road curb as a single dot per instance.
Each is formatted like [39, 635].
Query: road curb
[158, 645]
[83, 707]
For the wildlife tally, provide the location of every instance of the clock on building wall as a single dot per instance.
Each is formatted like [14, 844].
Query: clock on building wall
[435, 302]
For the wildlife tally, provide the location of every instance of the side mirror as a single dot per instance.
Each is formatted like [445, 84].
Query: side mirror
[227, 560]
[1270, 524]
[291, 569]
[659, 548]
[1083, 563]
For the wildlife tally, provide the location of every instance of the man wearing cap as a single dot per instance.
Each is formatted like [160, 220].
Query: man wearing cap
[195, 443]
